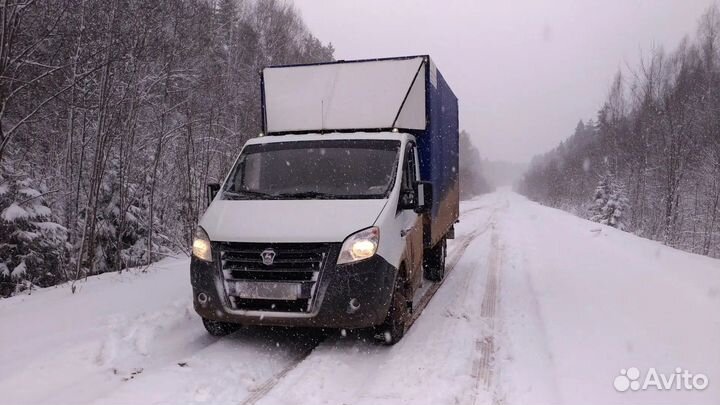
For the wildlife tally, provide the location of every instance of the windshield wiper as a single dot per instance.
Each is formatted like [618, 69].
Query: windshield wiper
[302, 195]
[248, 193]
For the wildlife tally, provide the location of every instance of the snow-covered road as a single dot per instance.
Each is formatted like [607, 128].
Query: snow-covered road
[540, 307]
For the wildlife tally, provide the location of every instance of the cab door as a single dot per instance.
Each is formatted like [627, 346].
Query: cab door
[411, 222]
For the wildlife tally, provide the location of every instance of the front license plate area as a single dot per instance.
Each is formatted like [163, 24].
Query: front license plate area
[260, 290]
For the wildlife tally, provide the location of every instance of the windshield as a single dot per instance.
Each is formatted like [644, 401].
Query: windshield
[327, 169]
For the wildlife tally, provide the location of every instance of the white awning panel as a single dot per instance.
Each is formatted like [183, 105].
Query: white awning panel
[353, 95]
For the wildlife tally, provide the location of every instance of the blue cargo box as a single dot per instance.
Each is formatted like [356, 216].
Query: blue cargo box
[439, 160]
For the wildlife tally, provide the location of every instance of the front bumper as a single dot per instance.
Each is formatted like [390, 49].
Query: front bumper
[369, 282]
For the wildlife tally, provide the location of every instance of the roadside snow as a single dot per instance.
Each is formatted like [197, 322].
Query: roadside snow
[82, 346]
[582, 301]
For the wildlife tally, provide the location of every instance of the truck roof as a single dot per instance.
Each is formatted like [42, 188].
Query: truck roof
[399, 136]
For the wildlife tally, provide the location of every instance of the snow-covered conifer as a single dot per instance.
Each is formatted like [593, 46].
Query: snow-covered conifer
[33, 248]
[610, 202]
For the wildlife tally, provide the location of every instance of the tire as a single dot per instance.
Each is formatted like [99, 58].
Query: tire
[434, 261]
[218, 329]
[395, 325]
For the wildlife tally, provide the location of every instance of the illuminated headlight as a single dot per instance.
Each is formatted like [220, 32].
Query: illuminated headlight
[359, 246]
[201, 245]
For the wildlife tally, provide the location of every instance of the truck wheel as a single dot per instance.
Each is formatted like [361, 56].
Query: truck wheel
[395, 324]
[217, 328]
[434, 261]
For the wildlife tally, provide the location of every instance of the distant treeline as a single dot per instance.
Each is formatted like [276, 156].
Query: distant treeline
[113, 117]
[472, 180]
[650, 161]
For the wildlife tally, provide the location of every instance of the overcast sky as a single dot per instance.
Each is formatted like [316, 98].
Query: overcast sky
[525, 71]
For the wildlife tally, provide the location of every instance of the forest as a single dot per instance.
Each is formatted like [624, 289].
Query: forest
[114, 115]
[649, 162]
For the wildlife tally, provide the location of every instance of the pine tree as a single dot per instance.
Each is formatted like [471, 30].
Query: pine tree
[33, 247]
[122, 229]
[610, 202]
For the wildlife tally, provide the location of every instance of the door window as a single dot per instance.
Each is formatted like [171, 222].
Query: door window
[409, 168]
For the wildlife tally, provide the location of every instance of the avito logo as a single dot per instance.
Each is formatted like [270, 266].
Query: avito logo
[630, 379]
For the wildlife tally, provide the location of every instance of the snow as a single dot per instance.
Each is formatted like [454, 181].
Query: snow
[83, 346]
[29, 192]
[542, 307]
[599, 302]
[50, 226]
[41, 211]
[19, 270]
[14, 212]
[25, 235]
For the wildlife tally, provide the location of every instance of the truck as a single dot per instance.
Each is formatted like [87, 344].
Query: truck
[341, 209]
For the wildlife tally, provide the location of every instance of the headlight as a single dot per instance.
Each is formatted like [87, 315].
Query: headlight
[359, 246]
[201, 245]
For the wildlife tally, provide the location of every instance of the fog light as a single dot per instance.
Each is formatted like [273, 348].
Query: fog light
[202, 298]
[353, 306]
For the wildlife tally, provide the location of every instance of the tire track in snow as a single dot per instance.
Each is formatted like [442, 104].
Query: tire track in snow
[270, 383]
[525, 357]
[466, 240]
[484, 366]
[449, 267]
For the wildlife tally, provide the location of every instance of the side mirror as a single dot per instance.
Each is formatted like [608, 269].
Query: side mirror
[424, 193]
[408, 199]
[212, 190]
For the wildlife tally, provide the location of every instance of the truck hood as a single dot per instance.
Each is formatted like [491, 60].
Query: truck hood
[268, 221]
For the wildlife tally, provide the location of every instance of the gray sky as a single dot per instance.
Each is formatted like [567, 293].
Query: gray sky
[525, 71]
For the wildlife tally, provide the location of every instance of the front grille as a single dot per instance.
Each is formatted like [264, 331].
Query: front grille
[293, 265]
